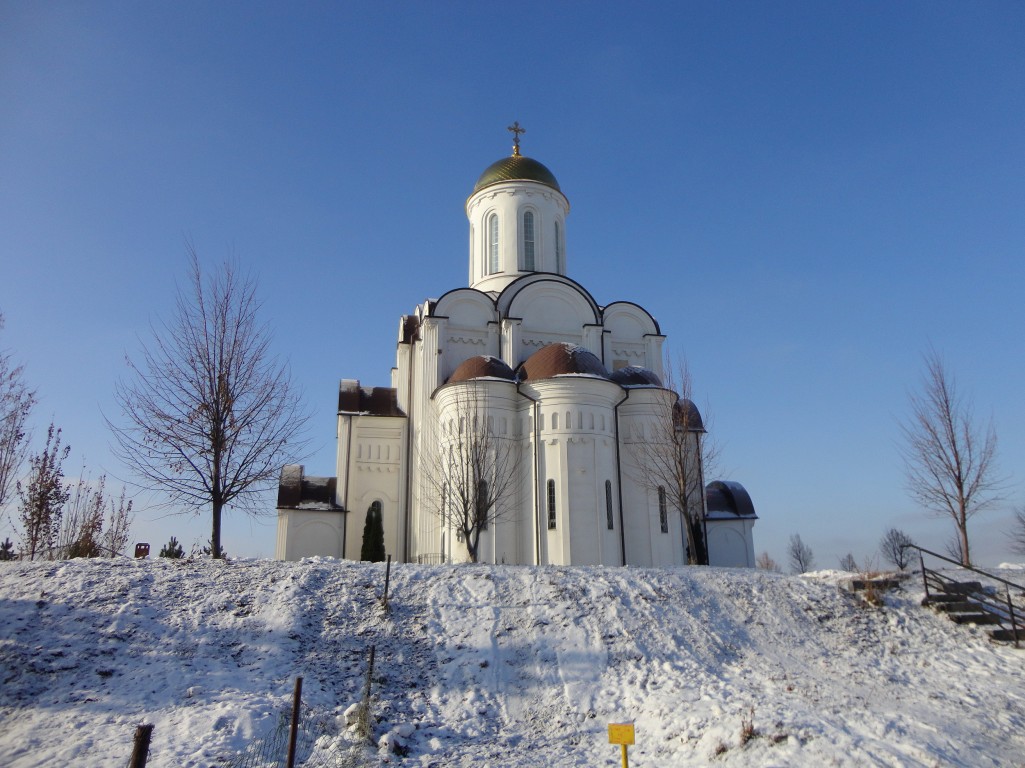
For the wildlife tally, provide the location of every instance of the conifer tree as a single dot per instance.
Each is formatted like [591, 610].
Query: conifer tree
[373, 536]
[172, 549]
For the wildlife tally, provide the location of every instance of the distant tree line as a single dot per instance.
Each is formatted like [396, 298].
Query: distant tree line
[895, 547]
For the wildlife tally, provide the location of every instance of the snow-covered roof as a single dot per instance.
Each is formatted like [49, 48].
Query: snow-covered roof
[296, 490]
[727, 499]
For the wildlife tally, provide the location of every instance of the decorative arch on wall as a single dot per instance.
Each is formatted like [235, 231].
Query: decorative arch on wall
[466, 308]
[626, 320]
[553, 308]
[512, 291]
[318, 538]
[727, 546]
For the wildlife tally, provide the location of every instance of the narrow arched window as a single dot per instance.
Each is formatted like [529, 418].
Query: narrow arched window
[663, 514]
[492, 243]
[551, 505]
[528, 241]
[558, 248]
[608, 503]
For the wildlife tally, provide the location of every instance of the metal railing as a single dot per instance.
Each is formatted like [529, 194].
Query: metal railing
[432, 558]
[1010, 614]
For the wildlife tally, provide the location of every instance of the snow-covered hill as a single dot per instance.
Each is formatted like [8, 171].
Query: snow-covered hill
[500, 666]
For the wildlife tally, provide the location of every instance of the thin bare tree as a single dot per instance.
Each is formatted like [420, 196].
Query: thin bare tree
[949, 457]
[43, 496]
[1017, 532]
[472, 472]
[802, 559]
[16, 401]
[115, 537]
[677, 454]
[895, 547]
[209, 414]
[765, 562]
[82, 521]
[93, 523]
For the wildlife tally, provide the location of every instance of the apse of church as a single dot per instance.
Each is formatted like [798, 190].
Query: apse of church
[523, 399]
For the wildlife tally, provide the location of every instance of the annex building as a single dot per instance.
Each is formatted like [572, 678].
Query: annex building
[523, 395]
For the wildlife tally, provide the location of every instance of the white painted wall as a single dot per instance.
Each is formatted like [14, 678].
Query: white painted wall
[309, 533]
[731, 543]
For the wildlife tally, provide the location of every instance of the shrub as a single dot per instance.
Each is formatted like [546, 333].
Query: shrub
[172, 549]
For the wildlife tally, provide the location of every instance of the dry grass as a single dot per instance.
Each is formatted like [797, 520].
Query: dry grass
[747, 727]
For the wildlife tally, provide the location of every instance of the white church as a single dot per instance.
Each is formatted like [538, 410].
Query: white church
[549, 404]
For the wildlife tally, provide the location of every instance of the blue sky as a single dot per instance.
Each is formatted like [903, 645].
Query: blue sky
[807, 196]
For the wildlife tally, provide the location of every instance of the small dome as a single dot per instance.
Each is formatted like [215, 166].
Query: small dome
[724, 498]
[688, 416]
[636, 376]
[516, 168]
[561, 359]
[482, 366]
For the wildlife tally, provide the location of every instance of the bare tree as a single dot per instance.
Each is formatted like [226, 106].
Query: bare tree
[93, 524]
[16, 401]
[949, 459]
[895, 548]
[82, 520]
[209, 414]
[766, 563]
[471, 480]
[115, 537]
[801, 557]
[676, 455]
[43, 496]
[1017, 534]
[953, 548]
[848, 563]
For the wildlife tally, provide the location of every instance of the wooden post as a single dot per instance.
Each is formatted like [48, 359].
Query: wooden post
[370, 674]
[925, 580]
[387, 578]
[1014, 621]
[294, 730]
[141, 749]
[363, 724]
[626, 762]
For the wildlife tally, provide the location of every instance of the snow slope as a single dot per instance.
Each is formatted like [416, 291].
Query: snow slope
[493, 665]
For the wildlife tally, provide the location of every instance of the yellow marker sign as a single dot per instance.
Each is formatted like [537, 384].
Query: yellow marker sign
[622, 733]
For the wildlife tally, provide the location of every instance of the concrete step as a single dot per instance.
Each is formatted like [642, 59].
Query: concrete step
[963, 587]
[955, 606]
[880, 585]
[980, 617]
[942, 597]
[1007, 635]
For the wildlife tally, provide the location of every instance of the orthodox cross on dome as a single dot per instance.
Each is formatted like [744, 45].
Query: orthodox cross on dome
[516, 131]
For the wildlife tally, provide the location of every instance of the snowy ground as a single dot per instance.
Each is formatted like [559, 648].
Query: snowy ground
[494, 666]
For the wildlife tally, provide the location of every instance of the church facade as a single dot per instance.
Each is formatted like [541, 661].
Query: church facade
[524, 400]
